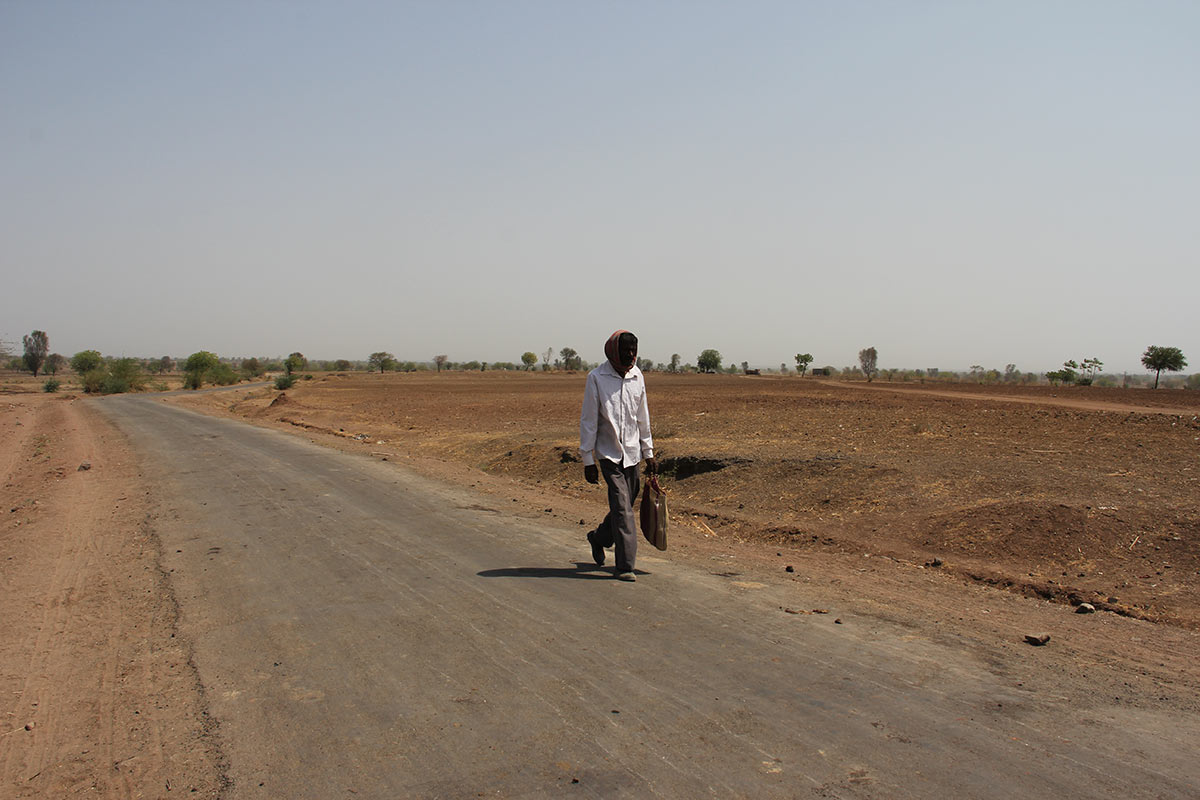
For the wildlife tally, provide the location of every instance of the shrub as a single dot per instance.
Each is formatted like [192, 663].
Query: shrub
[114, 384]
[285, 382]
[126, 376]
[222, 375]
[93, 380]
[51, 385]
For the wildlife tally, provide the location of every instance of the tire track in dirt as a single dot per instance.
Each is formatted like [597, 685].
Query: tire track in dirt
[66, 619]
[98, 696]
[1062, 402]
[16, 420]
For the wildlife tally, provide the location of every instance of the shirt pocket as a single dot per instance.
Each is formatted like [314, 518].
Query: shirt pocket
[633, 397]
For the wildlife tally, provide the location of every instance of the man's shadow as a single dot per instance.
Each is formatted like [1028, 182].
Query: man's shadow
[584, 570]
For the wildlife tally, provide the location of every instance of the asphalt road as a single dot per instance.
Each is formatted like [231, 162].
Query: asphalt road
[361, 631]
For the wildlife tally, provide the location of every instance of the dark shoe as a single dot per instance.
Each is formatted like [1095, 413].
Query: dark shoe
[597, 550]
[626, 576]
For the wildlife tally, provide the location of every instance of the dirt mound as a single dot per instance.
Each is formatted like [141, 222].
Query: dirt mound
[281, 400]
[1054, 532]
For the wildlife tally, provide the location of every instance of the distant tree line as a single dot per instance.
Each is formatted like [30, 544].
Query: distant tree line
[106, 374]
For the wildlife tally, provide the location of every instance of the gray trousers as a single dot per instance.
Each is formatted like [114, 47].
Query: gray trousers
[619, 528]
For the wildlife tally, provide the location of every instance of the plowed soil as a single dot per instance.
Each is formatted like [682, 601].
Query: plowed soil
[1076, 494]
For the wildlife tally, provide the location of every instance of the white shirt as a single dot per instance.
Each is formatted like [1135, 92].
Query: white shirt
[615, 421]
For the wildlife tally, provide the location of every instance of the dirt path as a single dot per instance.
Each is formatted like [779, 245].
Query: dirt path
[1042, 399]
[97, 694]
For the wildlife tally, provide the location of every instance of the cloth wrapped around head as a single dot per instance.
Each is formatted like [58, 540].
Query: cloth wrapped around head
[612, 349]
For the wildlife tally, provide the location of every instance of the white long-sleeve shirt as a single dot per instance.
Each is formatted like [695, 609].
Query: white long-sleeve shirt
[615, 421]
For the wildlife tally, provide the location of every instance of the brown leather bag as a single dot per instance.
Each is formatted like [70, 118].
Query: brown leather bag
[654, 513]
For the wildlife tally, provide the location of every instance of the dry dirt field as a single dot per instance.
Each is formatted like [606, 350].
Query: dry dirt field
[1074, 494]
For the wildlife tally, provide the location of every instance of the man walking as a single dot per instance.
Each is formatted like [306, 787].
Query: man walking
[614, 437]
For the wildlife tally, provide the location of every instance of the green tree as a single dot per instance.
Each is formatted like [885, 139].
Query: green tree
[1091, 368]
[382, 361]
[201, 361]
[294, 362]
[709, 361]
[1070, 370]
[197, 367]
[343, 364]
[1159, 358]
[529, 358]
[868, 362]
[440, 361]
[54, 362]
[570, 359]
[802, 362]
[674, 362]
[37, 347]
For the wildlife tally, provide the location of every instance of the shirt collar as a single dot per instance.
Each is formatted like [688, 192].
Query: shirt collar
[611, 370]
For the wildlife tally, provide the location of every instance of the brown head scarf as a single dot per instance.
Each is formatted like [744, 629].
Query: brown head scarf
[611, 351]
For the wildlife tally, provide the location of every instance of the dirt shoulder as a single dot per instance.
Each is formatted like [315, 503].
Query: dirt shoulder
[97, 692]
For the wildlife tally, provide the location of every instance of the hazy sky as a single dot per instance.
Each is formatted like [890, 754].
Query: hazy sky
[954, 183]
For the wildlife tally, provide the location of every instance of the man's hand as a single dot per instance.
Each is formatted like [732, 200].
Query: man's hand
[591, 473]
[651, 466]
